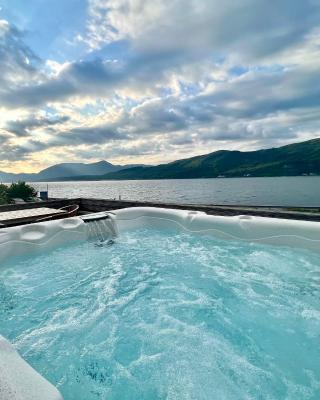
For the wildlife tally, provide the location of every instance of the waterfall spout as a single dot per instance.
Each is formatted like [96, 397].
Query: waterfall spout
[101, 228]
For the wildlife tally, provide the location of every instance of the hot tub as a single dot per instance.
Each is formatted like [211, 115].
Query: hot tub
[160, 304]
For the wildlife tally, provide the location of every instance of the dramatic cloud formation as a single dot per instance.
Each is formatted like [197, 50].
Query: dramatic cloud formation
[144, 81]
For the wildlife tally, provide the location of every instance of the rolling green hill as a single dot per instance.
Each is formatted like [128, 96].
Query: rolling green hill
[291, 160]
[59, 171]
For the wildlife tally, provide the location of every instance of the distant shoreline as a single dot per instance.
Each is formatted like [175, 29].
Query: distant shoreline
[166, 179]
[171, 179]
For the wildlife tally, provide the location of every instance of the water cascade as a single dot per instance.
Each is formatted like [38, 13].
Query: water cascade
[101, 228]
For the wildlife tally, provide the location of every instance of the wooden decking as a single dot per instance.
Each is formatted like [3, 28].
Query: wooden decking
[26, 215]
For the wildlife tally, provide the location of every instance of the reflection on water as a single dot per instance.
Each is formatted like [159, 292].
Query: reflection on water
[286, 191]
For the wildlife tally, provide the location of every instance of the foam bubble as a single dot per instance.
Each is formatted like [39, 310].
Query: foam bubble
[168, 315]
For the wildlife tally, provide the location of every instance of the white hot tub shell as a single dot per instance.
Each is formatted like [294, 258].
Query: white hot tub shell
[17, 379]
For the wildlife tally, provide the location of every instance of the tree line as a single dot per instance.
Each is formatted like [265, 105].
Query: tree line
[20, 190]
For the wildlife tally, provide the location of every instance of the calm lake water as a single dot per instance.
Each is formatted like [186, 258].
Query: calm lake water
[282, 191]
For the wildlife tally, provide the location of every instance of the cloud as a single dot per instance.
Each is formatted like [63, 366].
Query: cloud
[17, 61]
[162, 79]
[250, 28]
[88, 135]
[24, 127]
[264, 115]
[9, 152]
[15, 55]
[95, 77]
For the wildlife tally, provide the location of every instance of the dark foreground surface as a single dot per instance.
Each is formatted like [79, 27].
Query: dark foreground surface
[88, 205]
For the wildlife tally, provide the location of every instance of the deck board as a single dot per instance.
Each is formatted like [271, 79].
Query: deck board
[31, 213]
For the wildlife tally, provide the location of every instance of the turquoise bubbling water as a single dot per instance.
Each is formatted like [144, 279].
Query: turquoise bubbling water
[168, 315]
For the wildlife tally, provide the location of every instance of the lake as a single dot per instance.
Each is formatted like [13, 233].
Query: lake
[279, 191]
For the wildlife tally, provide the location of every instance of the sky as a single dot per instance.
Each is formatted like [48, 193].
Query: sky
[151, 81]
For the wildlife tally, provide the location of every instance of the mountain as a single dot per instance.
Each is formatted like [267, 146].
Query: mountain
[8, 177]
[75, 169]
[72, 170]
[291, 160]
